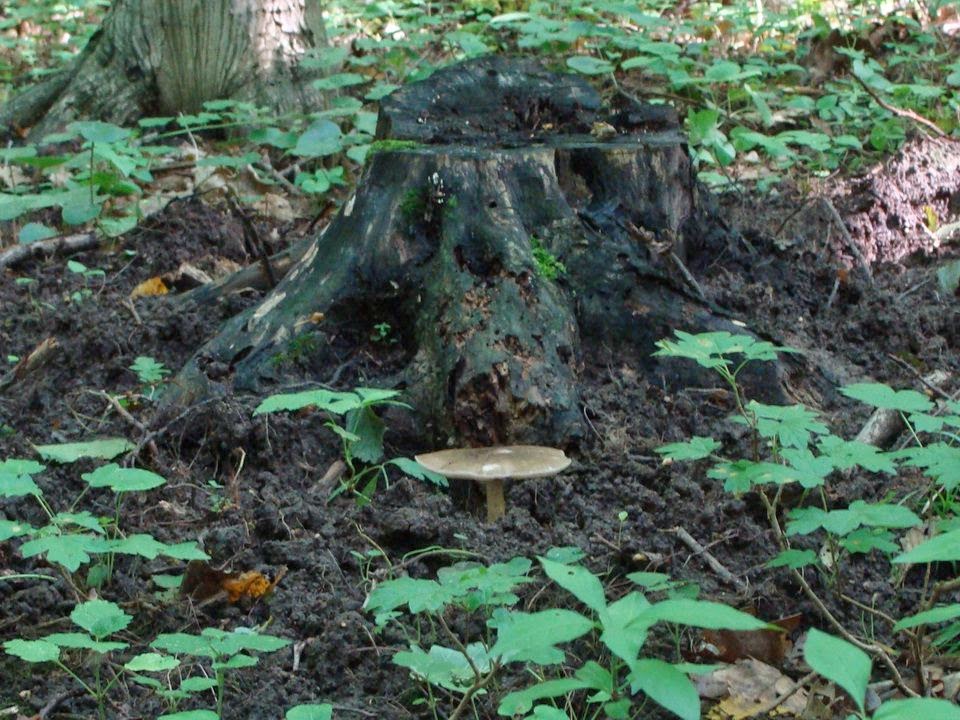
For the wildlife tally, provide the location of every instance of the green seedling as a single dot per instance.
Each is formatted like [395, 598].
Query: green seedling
[151, 374]
[548, 267]
[360, 432]
[609, 682]
[72, 538]
[226, 651]
[99, 619]
[792, 446]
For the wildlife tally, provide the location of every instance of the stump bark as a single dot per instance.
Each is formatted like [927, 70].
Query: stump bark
[507, 222]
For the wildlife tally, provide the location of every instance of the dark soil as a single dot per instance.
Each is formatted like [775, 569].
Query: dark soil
[788, 280]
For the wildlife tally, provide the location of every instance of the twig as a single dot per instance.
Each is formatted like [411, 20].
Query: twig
[714, 564]
[56, 701]
[851, 245]
[36, 359]
[782, 697]
[64, 245]
[900, 112]
[128, 304]
[254, 244]
[929, 381]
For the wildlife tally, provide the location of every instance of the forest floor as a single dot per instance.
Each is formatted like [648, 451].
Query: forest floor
[248, 488]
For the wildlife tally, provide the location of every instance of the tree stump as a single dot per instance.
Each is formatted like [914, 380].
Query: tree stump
[505, 222]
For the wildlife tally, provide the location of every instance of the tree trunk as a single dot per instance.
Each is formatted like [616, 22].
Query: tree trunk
[158, 57]
[494, 233]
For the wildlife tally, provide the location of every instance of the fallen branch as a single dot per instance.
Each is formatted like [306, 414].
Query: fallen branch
[64, 245]
[714, 564]
[900, 112]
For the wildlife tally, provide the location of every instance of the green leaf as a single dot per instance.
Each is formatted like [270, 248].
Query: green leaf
[520, 702]
[917, 708]
[589, 65]
[532, 637]
[696, 448]
[19, 466]
[71, 551]
[866, 540]
[702, 614]
[100, 618]
[846, 454]
[882, 396]
[11, 529]
[792, 425]
[942, 548]
[948, 276]
[444, 667]
[667, 686]
[12, 485]
[121, 479]
[310, 712]
[417, 594]
[84, 519]
[840, 662]
[99, 132]
[151, 662]
[793, 558]
[82, 641]
[578, 581]
[929, 617]
[81, 211]
[335, 402]
[32, 651]
[32, 232]
[621, 632]
[418, 471]
[812, 469]
[106, 449]
[340, 80]
[323, 137]
[191, 715]
[938, 460]
[369, 430]
[741, 476]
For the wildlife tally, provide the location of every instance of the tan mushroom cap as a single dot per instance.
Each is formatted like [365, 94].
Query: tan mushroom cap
[496, 463]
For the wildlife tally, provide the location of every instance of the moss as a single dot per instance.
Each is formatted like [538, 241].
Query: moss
[388, 145]
[548, 267]
[297, 349]
[413, 204]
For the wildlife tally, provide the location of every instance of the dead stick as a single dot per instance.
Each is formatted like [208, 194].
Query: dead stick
[900, 112]
[714, 564]
[63, 245]
[851, 245]
[38, 357]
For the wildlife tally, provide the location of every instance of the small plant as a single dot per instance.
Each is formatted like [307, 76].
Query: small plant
[99, 619]
[225, 650]
[361, 435]
[606, 683]
[791, 446]
[381, 333]
[548, 267]
[151, 374]
[71, 538]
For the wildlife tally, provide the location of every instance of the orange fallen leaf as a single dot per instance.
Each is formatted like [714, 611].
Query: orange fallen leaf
[150, 288]
[206, 584]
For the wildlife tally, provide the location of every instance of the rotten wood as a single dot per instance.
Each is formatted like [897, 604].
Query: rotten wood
[885, 424]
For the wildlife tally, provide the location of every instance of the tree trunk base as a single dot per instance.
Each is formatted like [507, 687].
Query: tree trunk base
[493, 261]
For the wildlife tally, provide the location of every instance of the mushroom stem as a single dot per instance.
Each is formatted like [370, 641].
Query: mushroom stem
[496, 505]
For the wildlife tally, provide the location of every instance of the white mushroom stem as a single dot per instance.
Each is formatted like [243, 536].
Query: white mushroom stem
[496, 503]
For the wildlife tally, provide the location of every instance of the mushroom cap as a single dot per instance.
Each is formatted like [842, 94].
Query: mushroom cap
[496, 463]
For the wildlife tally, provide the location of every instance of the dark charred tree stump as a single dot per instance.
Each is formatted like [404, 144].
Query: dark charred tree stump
[481, 164]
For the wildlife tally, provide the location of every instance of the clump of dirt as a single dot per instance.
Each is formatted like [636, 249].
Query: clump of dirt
[248, 489]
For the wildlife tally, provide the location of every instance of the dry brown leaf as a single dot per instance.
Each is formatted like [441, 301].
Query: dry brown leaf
[749, 684]
[150, 288]
[768, 646]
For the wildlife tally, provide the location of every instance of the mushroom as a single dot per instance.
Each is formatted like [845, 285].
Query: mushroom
[490, 466]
